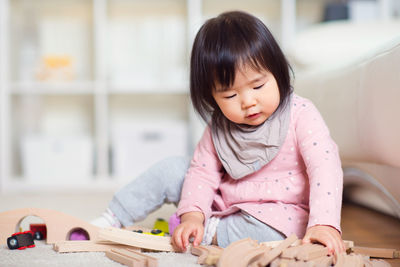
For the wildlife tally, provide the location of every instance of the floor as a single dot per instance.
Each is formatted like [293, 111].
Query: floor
[363, 226]
[368, 228]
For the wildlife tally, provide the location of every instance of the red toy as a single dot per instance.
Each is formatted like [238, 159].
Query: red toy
[21, 240]
[39, 230]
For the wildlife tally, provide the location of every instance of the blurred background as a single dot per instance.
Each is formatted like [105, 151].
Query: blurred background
[92, 92]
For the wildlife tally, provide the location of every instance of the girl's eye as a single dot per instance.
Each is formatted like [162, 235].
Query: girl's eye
[230, 96]
[258, 87]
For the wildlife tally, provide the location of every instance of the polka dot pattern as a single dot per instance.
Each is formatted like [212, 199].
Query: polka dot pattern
[300, 187]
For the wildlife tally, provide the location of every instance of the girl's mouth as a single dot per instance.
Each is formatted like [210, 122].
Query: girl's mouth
[254, 116]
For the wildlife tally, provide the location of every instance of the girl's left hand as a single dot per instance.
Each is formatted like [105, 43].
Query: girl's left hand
[326, 235]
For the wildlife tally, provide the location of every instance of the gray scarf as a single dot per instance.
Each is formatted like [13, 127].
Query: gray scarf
[244, 149]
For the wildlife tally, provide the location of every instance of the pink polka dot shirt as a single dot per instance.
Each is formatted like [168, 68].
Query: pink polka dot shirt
[301, 187]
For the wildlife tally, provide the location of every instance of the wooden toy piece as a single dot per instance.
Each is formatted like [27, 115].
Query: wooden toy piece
[312, 252]
[377, 252]
[59, 225]
[152, 242]
[207, 254]
[292, 251]
[348, 244]
[376, 263]
[343, 260]
[241, 253]
[323, 261]
[85, 246]
[275, 252]
[128, 261]
[131, 258]
[272, 244]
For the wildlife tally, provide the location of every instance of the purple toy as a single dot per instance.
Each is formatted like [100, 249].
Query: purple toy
[173, 222]
[79, 234]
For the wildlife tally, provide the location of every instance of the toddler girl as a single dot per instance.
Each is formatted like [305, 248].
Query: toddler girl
[265, 167]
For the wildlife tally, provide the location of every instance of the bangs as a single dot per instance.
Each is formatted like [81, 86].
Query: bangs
[234, 45]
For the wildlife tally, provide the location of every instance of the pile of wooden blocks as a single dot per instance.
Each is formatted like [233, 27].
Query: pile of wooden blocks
[289, 252]
[124, 246]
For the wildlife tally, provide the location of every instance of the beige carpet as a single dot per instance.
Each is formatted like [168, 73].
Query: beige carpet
[44, 256]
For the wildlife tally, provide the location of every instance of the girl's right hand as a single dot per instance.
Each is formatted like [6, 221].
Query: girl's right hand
[191, 226]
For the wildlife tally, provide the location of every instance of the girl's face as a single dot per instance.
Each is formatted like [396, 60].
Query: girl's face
[253, 97]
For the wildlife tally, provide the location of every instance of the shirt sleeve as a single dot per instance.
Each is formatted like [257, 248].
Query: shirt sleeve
[202, 179]
[321, 157]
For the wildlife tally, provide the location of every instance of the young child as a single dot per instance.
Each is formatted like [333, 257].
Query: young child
[265, 167]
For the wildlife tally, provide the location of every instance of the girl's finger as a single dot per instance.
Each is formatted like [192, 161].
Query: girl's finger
[177, 239]
[185, 237]
[198, 237]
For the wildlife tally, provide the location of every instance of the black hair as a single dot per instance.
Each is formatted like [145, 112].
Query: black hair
[225, 43]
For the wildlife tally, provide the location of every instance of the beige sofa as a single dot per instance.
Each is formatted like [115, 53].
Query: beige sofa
[356, 86]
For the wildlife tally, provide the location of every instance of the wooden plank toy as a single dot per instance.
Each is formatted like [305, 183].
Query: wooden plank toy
[152, 242]
[131, 258]
[387, 253]
[86, 246]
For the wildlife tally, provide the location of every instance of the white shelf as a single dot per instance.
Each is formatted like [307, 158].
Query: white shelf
[128, 58]
[54, 88]
[156, 89]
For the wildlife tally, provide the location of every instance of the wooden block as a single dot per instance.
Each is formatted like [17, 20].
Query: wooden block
[85, 246]
[292, 251]
[137, 256]
[323, 261]
[340, 259]
[241, 253]
[376, 263]
[59, 225]
[275, 252]
[348, 243]
[207, 254]
[276, 262]
[377, 252]
[273, 244]
[131, 262]
[307, 253]
[152, 242]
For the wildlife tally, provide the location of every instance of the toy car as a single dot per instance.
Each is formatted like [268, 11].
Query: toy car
[152, 232]
[39, 231]
[21, 240]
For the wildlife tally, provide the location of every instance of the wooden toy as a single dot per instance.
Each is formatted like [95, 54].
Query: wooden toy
[245, 251]
[207, 254]
[152, 242]
[377, 252]
[269, 256]
[131, 258]
[288, 252]
[342, 259]
[59, 225]
[86, 246]
[305, 252]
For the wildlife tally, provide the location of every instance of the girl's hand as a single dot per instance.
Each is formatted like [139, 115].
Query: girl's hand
[191, 226]
[326, 235]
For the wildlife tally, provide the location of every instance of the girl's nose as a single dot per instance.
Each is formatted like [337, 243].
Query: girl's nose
[248, 101]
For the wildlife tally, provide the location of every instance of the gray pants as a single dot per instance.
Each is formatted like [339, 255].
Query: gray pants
[162, 183]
